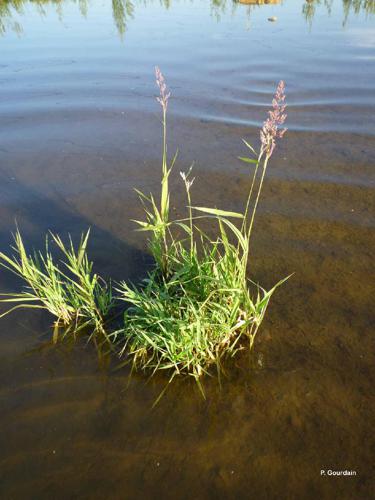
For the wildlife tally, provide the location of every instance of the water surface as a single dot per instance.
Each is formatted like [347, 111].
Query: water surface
[79, 129]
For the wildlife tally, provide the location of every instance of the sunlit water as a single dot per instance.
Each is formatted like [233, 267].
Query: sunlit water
[79, 129]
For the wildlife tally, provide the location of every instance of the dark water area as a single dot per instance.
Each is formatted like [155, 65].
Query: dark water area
[79, 129]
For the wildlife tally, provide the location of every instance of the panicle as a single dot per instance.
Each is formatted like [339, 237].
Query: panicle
[276, 117]
[185, 178]
[164, 93]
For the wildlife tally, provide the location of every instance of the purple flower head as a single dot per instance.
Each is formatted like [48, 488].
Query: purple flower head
[276, 117]
[164, 94]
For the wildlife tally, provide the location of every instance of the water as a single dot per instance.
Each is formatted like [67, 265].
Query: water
[79, 128]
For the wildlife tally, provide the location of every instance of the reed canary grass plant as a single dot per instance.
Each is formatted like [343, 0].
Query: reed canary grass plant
[198, 303]
[70, 291]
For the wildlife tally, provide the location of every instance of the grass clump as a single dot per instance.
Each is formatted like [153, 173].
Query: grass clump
[187, 320]
[197, 303]
[72, 293]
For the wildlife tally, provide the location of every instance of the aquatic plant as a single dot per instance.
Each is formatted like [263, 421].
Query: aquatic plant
[197, 303]
[77, 297]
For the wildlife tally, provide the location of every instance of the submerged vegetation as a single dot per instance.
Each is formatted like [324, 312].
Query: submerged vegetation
[196, 304]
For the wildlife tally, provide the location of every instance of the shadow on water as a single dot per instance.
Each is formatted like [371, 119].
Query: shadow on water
[36, 214]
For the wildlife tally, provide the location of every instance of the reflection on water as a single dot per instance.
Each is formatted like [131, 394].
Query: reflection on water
[310, 6]
[367, 6]
[9, 9]
[12, 12]
[356, 6]
[122, 11]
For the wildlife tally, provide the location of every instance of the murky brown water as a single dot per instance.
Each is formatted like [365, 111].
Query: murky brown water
[79, 128]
